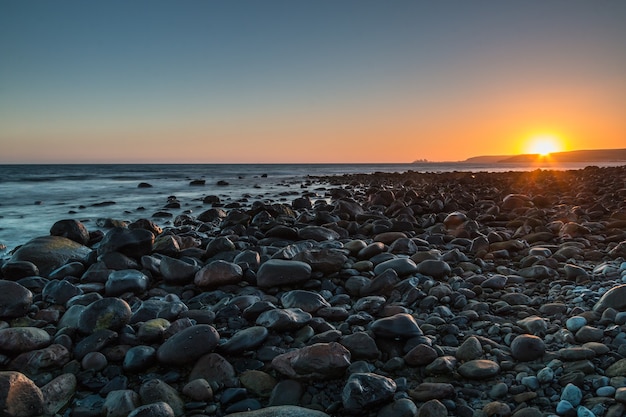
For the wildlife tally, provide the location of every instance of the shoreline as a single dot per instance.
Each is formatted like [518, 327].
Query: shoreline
[470, 293]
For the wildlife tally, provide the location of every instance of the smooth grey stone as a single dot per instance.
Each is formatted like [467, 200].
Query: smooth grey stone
[279, 272]
[527, 347]
[308, 301]
[281, 320]
[363, 390]
[157, 409]
[134, 243]
[139, 358]
[402, 266]
[107, 313]
[126, 280]
[400, 325]
[479, 369]
[281, 411]
[23, 339]
[50, 253]
[188, 345]
[15, 299]
[245, 339]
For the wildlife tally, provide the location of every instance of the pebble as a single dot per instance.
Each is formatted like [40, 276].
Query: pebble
[19, 396]
[363, 390]
[527, 347]
[15, 300]
[188, 345]
[381, 295]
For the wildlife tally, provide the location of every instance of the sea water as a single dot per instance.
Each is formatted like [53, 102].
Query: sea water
[34, 197]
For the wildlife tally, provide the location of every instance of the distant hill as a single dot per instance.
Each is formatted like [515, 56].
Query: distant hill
[593, 155]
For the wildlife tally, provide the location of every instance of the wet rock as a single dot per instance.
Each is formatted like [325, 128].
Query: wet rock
[258, 383]
[126, 280]
[527, 347]
[108, 313]
[281, 411]
[134, 243]
[306, 300]
[278, 272]
[245, 339]
[188, 345]
[16, 270]
[50, 252]
[19, 396]
[469, 350]
[71, 229]
[15, 300]
[400, 325]
[120, 403]
[23, 339]
[59, 292]
[286, 392]
[479, 369]
[158, 391]
[402, 266]
[318, 361]
[432, 408]
[437, 269]
[287, 319]
[317, 233]
[363, 390]
[215, 368]
[420, 355]
[399, 408]
[614, 298]
[218, 273]
[176, 271]
[156, 409]
[432, 390]
[58, 393]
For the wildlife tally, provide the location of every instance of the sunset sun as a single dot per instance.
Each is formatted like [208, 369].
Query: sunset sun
[544, 144]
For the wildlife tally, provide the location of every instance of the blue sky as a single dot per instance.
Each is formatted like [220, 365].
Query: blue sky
[295, 81]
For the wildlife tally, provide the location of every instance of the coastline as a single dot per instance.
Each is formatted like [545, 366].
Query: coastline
[471, 291]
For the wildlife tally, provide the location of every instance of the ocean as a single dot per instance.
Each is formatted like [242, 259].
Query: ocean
[34, 197]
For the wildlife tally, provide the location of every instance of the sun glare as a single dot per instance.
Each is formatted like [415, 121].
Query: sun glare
[544, 145]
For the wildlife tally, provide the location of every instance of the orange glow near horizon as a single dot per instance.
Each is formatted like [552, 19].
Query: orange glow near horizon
[544, 144]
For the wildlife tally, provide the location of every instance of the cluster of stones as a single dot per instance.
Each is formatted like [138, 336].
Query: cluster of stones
[484, 294]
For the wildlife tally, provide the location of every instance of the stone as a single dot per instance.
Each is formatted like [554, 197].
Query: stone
[257, 382]
[16, 270]
[361, 345]
[245, 339]
[107, 313]
[432, 390]
[188, 345]
[402, 407]
[614, 298]
[120, 403]
[218, 273]
[58, 393]
[317, 233]
[572, 394]
[435, 268]
[287, 319]
[402, 326]
[470, 349]
[479, 369]
[420, 355]
[50, 252]
[156, 409]
[133, 243]
[23, 339]
[198, 390]
[527, 347]
[286, 392]
[364, 390]
[318, 361]
[157, 391]
[126, 281]
[176, 271]
[279, 272]
[306, 300]
[59, 291]
[281, 411]
[432, 408]
[402, 266]
[71, 229]
[19, 396]
[15, 300]
[215, 368]
[139, 358]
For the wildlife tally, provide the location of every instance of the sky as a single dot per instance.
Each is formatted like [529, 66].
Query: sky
[195, 81]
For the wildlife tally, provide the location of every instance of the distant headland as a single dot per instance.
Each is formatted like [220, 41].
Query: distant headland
[593, 155]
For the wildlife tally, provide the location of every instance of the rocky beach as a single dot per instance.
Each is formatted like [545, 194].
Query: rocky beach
[469, 294]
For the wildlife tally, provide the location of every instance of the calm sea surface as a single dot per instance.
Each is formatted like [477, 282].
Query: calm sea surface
[33, 197]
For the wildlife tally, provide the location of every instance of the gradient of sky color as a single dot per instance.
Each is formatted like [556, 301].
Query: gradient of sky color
[307, 81]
